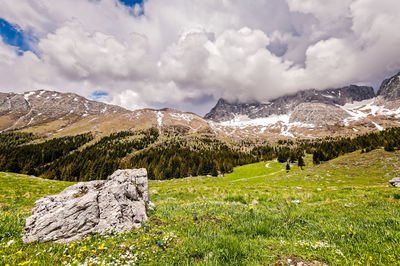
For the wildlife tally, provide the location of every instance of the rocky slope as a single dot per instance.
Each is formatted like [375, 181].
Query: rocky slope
[58, 114]
[313, 113]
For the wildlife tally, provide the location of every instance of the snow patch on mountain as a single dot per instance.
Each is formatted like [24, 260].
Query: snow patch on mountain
[186, 117]
[378, 126]
[159, 118]
[363, 109]
[26, 96]
[243, 121]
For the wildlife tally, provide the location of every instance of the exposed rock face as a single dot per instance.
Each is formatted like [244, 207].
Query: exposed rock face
[318, 114]
[37, 107]
[395, 182]
[116, 204]
[225, 111]
[390, 88]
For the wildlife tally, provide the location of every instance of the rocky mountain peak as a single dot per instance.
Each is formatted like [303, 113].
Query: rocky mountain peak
[390, 88]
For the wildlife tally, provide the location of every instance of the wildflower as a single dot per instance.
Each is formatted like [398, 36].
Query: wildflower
[19, 252]
[102, 246]
[370, 258]
[24, 263]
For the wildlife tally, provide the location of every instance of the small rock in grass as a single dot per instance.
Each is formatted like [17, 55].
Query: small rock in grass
[151, 206]
[395, 182]
[254, 202]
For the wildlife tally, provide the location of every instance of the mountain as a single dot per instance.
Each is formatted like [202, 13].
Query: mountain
[313, 113]
[225, 111]
[346, 111]
[60, 114]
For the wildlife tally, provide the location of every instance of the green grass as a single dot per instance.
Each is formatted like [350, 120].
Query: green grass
[339, 213]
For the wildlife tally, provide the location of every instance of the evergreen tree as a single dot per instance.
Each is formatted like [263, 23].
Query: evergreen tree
[287, 167]
[389, 146]
[300, 162]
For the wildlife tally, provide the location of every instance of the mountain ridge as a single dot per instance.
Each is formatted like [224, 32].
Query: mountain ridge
[345, 111]
[59, 114]
[282, 104]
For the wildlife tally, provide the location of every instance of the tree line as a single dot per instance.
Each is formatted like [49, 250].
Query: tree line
[81, 158]
[179, 159]
[20, 156]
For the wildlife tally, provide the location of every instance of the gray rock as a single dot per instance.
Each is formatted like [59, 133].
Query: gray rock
[395, 182]
[318, 114]
[112, 205]
[390, 88]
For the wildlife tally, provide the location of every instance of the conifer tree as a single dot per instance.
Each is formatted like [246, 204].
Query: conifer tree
[300, 162]
[287, 167]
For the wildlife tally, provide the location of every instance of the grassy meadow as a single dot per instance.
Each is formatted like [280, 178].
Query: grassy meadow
[339, 213]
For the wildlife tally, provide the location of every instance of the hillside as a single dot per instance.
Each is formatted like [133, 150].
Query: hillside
[170, 155]
[54, 114]
[342, 212]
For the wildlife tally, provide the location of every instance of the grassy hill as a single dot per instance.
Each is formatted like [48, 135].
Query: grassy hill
[339, 213]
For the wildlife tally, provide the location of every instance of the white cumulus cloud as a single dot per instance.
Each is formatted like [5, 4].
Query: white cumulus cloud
[188, 55]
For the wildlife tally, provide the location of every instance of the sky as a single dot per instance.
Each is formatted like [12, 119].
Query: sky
[188, 54]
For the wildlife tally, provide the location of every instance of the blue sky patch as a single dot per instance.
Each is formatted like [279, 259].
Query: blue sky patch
[98, 95]
[13, 35]
[131, 2]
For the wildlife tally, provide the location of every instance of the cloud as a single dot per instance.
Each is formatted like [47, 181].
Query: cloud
[169, 53]
[83, 55]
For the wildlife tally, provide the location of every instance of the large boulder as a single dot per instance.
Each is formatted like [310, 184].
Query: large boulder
[116, 204]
